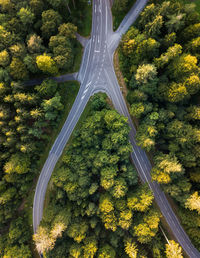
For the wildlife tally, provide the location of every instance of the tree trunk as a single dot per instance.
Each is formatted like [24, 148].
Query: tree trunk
[68, 8]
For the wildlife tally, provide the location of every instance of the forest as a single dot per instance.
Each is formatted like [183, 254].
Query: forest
[97, 207]
[159, 58]
[37, 40]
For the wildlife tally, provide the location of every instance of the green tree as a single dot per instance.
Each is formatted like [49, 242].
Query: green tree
[176, 92]
[145, 136]
[7, 195]
[148, 14]
[30, 62]
[190, 32]
[78, 230]
[34, 44]
[169, 40]
[75, 250]
[148, 226]
[106, 204]
[192, 84]
[4, 58]
[119, 6]
[139, 109]
[52, 107]
[22, 252]
[90, 247]
[194, 45]
[37, 6]
[165, 166]
[175, 22]
[67, 30]
[153, 28]
[183, 66]
[50, 21]
[18, 69]
[26, 16]
[106, 251]
[18, 163]
[6, 5]
[55, 3]
[130, 248]
[125, 219]
[47, 88]
[170, 54]
[120, 188]
[18, 50]
[141, 199]
[193, 113]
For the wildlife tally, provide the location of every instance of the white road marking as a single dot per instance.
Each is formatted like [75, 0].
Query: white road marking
[87, 85]
[85, 91]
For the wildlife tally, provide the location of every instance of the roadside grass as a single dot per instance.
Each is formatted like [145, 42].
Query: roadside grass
[68, 91]
[86, 27]
[78, 57]
[118, 17]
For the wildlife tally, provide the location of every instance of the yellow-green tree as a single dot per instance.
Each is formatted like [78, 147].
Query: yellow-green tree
[173, 250]
[130, 248]
[193, 202]
[4, 58]
[46, 64]
[141, 199]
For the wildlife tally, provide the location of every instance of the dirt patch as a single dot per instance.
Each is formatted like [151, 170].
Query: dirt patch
[119, 74]
[122, 84]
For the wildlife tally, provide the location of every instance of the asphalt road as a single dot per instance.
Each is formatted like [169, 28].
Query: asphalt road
[61, 78]
[97, 75]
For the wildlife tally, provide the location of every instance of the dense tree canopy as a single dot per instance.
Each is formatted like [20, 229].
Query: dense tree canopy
[28, 114]
[160, 61]
[97, 185]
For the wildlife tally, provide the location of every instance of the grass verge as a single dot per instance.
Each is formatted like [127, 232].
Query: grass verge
[77, 58]
[85, 29]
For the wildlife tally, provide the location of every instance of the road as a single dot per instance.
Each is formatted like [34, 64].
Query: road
[61, 78]
[97, 74]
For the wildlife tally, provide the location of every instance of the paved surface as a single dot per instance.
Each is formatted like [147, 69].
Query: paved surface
[97, 75]
[61, 78]
[82, 40]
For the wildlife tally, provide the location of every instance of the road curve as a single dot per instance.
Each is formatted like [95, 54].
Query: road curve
[97, 75]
